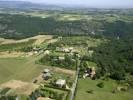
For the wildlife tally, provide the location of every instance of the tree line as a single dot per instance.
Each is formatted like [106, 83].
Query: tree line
[22, 26]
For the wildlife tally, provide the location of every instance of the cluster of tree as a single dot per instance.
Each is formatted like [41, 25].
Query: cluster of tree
[114, 58]
[118, 28]
[22, 26]
[26, 49]
[8, 97]
[53, 60]
[75, 40]
[42, 92]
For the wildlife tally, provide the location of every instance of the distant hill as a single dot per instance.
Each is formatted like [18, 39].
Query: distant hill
[26, 5]
[22, 26]
[21, 19]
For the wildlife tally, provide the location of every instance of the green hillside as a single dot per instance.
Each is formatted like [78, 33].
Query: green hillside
[30, 23]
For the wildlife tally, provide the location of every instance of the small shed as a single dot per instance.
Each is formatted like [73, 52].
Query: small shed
[90, 52]
[61, 58]
[46, 76]
[47, 52]
[61, 82]
[46, 71]
[66, 50]
[71, 48]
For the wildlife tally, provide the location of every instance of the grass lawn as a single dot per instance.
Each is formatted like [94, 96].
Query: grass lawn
[105, 93]
[23, 69]
[59, 91]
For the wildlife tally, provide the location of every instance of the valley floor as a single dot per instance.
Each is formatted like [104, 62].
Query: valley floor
[85, 85]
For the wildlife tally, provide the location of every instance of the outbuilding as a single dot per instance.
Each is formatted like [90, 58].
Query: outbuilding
[61, 82]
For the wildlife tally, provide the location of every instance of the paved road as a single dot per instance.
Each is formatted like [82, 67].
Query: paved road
[73, 89]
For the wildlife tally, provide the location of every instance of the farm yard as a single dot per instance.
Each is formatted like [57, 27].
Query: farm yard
[65, 51]
[16, 65]
[51, 65]
[26, 70]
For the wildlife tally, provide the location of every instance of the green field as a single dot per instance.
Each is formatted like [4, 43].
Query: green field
[105, 93]
[23, 69]
[16, 46]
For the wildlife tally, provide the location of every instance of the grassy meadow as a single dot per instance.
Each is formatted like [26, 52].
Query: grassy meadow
[23, 69]
[104, 93]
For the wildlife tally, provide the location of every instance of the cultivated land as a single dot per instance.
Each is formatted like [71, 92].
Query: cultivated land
[27, 69]
[10, 48]
[23, 69]
[14, 65]
[105, 93]
[19, 87]
[23, 60]
[38, 40]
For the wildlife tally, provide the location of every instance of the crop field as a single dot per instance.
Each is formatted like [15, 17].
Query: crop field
[38, 39]
[14, 66]
[77, 16]
[38, 14]
[97, 93]
[14, 46]
[9, 45]
[23, 69]
[13, 87]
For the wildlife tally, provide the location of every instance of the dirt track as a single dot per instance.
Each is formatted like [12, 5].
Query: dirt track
[39, 39]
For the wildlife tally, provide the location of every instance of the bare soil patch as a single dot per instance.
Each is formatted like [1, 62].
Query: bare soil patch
[20, 87]
[65, 71]
[39, 39]
[11, 55]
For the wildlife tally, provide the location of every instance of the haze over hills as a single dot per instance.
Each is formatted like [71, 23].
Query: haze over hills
[26, 5]
[21, 19]
[42, 5]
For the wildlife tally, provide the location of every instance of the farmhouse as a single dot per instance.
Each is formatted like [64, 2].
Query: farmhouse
[61, 82]
[36, 50]
[58, 49]
[90, 52]
[46, 71]
[47, 52]
[66, 50]
[46, 74]
[61, 58]
[90, 72]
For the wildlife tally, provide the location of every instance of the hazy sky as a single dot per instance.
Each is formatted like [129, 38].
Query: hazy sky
[90, 3]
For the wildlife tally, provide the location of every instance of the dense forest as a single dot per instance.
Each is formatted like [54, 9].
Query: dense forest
[115, 58]
[22, 26]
